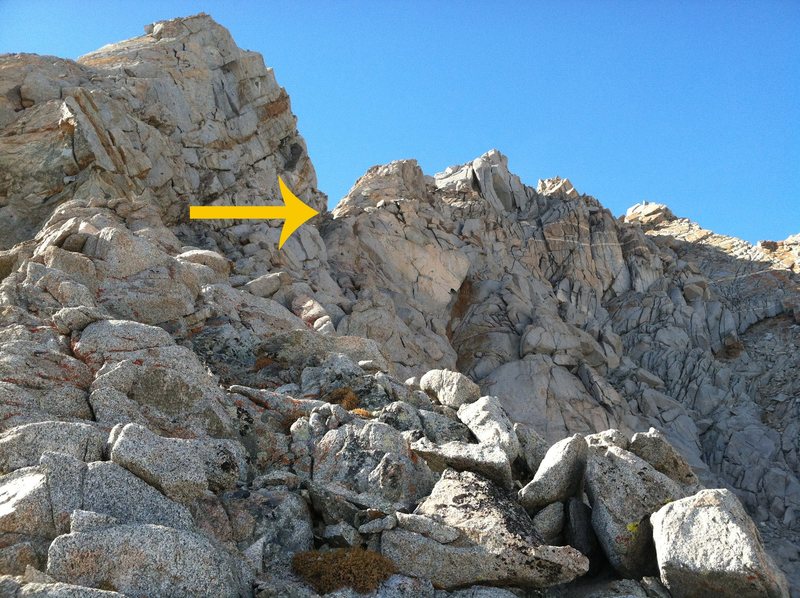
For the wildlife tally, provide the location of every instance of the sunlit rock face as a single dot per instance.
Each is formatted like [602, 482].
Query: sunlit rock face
[184, 407]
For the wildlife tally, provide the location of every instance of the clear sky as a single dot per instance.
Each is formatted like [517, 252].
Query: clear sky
[695, 104]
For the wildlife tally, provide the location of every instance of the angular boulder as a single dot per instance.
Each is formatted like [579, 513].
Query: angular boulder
[440, 428]
[26, 520]
[706, 544]
[488, 421]
[143, 376]
[113, 490]
[498, 543]
[532, 446]
[559, 476]
[144, 560]
[24, 445]
[428, 527]
[578, 530]
[181, 469]
[299, 349]
[54, 590]
[452, 389]
[269, 527]
[549, 522]
[104, 340]
[216, 262]
[489, 460]
[371, 462]
[654, 448]
[624, 491]
[25, 506]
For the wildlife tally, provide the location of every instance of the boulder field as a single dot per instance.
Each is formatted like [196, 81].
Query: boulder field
[450, 385]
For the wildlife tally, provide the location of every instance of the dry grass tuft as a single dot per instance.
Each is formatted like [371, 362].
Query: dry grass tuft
[262, 362]
[356, 568]
[733, 349]
[362, 413]
[343, 396]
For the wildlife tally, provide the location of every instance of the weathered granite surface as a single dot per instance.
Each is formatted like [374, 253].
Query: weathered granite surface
[188, 387]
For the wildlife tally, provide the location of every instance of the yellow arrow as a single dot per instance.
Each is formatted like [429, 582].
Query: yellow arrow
[294, 212]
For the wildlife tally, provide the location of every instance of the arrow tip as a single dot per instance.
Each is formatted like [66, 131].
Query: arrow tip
[297, 213]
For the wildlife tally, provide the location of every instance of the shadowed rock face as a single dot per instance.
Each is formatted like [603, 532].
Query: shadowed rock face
[475, 318]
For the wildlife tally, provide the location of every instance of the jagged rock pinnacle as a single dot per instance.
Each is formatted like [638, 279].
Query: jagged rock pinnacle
[188, 410]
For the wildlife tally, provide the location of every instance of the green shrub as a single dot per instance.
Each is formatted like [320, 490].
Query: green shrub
[326, 571]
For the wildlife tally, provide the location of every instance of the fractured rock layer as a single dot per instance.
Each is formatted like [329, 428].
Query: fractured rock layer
[192, 407]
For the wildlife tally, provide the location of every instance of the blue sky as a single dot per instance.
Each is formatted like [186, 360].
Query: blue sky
[695, 104]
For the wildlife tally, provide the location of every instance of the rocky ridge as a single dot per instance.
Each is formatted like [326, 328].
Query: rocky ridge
[495, 386]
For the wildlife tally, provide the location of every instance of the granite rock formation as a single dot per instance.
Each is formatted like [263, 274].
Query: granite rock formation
[492, 384]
